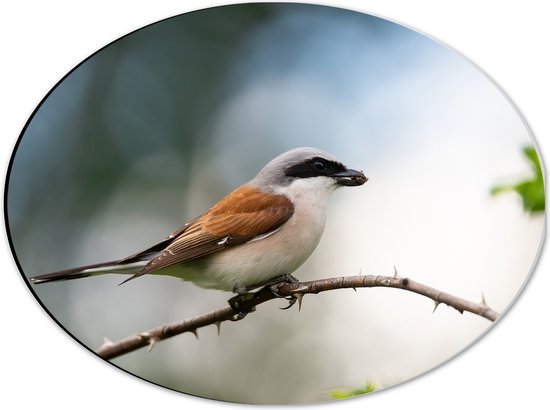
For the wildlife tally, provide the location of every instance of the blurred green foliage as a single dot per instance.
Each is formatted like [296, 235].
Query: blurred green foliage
[530, 190]
[338, 394]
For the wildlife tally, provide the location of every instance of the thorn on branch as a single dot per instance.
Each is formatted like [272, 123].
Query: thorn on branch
[395, 274]
[299, 296]
[292, 292]
[483, 302]
[106, 342]
[152, 342]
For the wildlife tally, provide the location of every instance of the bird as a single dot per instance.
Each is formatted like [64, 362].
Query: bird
[258, 234]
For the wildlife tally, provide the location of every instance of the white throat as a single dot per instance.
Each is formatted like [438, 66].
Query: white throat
[309, 192]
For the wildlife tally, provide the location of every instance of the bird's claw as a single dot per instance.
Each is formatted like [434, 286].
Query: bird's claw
[291, 301]
[238, 316]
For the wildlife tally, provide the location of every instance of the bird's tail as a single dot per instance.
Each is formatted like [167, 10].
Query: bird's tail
[128, 268]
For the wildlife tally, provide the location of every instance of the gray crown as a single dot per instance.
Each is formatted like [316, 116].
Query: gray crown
[274, 172]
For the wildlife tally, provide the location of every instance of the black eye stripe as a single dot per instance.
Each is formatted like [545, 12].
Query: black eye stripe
[313, 168]
[319, 165]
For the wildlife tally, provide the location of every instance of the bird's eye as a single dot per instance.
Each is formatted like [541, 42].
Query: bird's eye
[320, 166]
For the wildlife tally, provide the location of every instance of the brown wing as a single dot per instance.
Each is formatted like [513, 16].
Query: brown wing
[241, 216]
[156, 248]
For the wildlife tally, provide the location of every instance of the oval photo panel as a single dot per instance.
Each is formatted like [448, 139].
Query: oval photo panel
[275, 203]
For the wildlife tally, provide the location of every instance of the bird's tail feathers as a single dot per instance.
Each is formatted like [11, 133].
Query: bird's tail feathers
[128, 268]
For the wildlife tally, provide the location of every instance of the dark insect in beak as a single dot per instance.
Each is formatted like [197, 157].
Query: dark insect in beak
[350, 177]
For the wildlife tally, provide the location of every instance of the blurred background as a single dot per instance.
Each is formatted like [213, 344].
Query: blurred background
[198, 104]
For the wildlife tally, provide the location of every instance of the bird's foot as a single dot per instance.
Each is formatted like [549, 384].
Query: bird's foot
[292, 299]
[277, 282]
[273, 283]
[241, 306]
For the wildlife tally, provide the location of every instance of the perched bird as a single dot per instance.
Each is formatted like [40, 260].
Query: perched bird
[258, 234]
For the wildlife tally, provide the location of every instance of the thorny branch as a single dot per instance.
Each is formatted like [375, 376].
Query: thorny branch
[110, 350]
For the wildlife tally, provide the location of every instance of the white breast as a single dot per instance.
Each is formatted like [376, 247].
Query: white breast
[280, 253]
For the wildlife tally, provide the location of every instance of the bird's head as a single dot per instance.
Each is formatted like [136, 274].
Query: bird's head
[308, 167]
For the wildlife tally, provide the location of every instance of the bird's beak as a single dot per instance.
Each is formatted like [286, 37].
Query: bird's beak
[350, 177]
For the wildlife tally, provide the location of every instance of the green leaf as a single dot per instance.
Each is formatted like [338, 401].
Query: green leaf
[338, 394]
[531, 191]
